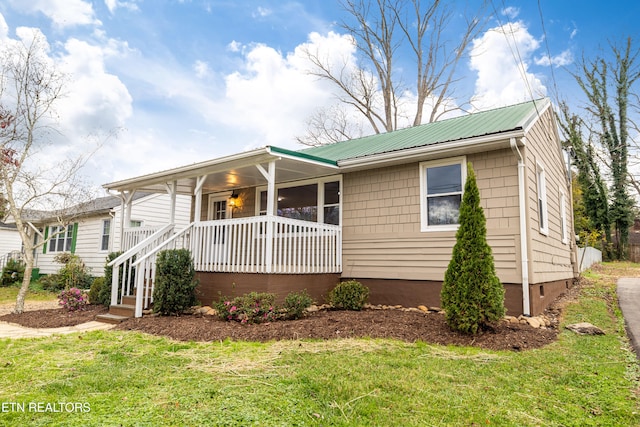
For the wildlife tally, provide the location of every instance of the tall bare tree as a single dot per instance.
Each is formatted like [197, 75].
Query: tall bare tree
[381, 31]
[609, 88]
[30, 86]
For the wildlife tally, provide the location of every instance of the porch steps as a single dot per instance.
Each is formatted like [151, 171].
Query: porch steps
[111, 318]
[120, 312]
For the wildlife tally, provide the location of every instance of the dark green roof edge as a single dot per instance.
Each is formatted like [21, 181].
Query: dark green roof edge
[302, 155]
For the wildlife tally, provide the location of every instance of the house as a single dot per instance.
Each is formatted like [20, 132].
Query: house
[381, 209]
[10, 243]
[93, 229]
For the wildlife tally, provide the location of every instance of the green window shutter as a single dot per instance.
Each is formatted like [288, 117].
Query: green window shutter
[74, 238]
[46, 235]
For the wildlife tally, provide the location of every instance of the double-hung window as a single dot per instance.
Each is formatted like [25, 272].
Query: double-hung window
[106, 232]
[61, 238]
[543, 218]
[563, 217]
[441, 186]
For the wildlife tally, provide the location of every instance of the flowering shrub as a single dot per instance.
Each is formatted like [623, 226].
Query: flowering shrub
[73, 299]
[254, 307]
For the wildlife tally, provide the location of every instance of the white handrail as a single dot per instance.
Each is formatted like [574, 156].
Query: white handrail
[141, 245]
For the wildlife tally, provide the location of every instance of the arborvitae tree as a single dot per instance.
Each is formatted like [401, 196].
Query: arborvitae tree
[472, 295]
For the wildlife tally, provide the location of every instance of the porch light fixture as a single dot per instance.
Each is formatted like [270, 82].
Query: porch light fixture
[233, 199]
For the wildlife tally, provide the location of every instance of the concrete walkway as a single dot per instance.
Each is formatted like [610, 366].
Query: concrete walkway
[11, 330]
[628, 289]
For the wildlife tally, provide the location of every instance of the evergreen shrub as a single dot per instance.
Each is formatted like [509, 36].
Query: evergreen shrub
[349, 295]
[175, 283]
[295, 304]
[13, 272]
[100, 292]
[472, 295]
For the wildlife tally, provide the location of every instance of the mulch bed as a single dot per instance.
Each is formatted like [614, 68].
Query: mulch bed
[54, 318]
[328, 324]
[402, 325]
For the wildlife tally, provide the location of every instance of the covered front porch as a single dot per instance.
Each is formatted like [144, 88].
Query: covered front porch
[244, 221]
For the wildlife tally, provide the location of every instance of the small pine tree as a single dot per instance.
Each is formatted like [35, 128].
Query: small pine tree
[472, 295]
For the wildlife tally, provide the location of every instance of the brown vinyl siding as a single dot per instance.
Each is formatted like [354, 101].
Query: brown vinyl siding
[381, 222]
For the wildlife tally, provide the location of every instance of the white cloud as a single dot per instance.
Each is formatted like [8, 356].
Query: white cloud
[201, 68]
[511, 12]
[4, 28]
[564, 58]
[63, 13]
[234, 46]
[501, 57]
[262, 12]
[112, 5]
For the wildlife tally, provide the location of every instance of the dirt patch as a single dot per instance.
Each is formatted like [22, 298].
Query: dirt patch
[54, 317]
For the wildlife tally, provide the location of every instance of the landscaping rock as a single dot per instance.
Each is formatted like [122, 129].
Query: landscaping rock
[423, 308]
[511, 319]
[534, 322]
[435, 309]
[585, 328]
[312, 308]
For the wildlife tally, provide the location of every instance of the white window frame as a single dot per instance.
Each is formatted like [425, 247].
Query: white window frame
[136, 221]
[56, 234]
[563, 216]
[424, 211]
[543, 211]
[103, 235]
[320, 202]
[219, 197]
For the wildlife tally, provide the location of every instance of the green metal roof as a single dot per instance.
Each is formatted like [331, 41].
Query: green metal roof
[490, 122]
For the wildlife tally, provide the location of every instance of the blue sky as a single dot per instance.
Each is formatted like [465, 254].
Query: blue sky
[185, 81]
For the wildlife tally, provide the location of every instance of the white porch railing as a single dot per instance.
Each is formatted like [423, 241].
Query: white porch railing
[262, 244]
[123, 273]
[266, 244]
[134, 235]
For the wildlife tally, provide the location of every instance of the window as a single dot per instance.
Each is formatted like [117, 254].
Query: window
[61, 238]
[135, 223]
[542, 200]
[316, 202]
[106, 232]
[563, 217]
[441, 185]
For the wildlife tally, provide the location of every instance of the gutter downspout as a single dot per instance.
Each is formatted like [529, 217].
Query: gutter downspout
[526, 304]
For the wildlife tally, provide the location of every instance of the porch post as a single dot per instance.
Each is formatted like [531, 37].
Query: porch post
[270, 176]
[125, 213]
[172, 188]
[197, 192]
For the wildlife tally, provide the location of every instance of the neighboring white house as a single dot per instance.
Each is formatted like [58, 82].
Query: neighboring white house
[95, 228]
[10, 242]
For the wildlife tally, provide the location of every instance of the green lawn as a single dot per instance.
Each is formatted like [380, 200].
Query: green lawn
[130, 379]
[10, 293]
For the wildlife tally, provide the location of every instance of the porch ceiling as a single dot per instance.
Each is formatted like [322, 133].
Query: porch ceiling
[230, 172]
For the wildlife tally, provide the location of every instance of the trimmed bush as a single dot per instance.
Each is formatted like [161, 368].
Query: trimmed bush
[254, 307]
[100, 292]
[13, 272]
[175, 283]
[349, 295]
[472, 295]
[295, 304]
